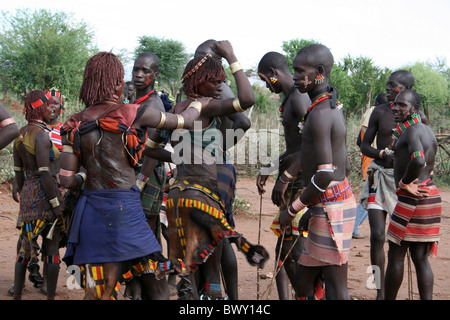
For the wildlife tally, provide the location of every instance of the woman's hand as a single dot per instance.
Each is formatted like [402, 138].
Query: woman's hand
[225, 50]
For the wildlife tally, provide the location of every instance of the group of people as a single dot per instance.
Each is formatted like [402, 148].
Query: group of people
[95, 184]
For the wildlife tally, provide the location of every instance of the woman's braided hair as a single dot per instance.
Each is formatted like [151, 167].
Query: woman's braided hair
[35, 113]
[200, 70]
[103, 73]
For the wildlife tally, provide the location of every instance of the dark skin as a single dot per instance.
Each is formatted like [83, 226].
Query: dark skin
[418, 137]
[131, 91]
[144, 77]
[31, 163]
[9, 132]
[144, 74]
[237, 123]
[293, 110]
[380, 127]
[108, 167]
[323, 144]
[210, 271]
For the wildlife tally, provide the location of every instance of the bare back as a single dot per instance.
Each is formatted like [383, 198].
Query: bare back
[105, 157]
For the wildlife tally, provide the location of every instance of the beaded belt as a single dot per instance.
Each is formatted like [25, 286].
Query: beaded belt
[337, 192]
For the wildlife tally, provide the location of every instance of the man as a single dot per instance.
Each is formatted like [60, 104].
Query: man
[378, 193]
[328, 196]
[361, 213]
[8, 128]
[415, 222]
[131, 91]
[109, 233]
[145, 71]
[274, 71]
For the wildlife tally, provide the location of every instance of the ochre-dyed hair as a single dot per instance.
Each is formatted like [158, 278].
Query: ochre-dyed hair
[210, 70]
[32, 97]
[103, 73]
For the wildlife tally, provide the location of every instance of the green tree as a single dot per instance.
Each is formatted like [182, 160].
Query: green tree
[366, 81]
[291, 47]
[43, 49]
[172, 59]
[430, 84]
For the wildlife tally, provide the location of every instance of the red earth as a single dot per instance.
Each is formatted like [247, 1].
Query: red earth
[248, 224]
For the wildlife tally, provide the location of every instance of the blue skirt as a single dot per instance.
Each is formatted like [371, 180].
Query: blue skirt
[109, 226]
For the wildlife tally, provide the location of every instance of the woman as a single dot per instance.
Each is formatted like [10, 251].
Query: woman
[195, 211]
[35, 158]
[109, 231]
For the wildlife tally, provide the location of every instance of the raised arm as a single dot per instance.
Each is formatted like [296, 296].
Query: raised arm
[245, 95]
[152, 118]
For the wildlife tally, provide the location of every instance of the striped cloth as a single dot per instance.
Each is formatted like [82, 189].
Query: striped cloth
[417, 220]
[226, 184]
[330, 227]
[55, 135]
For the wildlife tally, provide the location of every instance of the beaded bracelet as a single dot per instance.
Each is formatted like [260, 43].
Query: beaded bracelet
[7, 122]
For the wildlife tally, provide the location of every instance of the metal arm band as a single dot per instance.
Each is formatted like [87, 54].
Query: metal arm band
[288, 175]
[196, 105]
[18, 168]
[237, 105]
[162, 121]
[152, 144]
[235, 67]
[315, 185]
[40, 169]
[180, 121]
[82, 175]
[54, 202]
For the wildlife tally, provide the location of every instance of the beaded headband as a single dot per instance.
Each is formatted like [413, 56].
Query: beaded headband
[48, 95]
[198, 65]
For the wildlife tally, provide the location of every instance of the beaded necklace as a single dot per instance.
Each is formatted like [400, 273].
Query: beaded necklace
[401, 127]
[321, 98]
[144, 97]
[284, 102]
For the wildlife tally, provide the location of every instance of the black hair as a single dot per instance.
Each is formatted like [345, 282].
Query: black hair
[415, 100]
[153, 57]
[405, 77]
[318, 55]
[272, 60]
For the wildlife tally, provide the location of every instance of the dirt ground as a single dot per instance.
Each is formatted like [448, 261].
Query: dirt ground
[247, 224]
